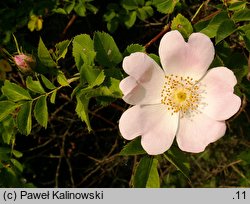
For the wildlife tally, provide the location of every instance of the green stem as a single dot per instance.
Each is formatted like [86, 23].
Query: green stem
[197, 12]
[56, 89]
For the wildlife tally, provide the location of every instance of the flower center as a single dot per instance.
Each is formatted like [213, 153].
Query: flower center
[181, 94]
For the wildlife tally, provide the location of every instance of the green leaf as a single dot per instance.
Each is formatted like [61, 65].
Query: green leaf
[34, 86]
[108, 53]
[17, 154]
[112, 25]
[17, 164]
[237, 6]
[245, 157]
[9, 177]
[15, 92]
[201, 25]
[130, 19]
[53, 97]
[62, 49]
[91, 8]
[41, 111]
[214, 24]
[237, 61]
[4, 154]
[90, 75]
[80, 8]
[44, 55]
[113, 73]
[24, 119]
[244, 28]
[247, 39]
[82, 109]
[156, 58]
[179, 160]
[6, 108]
[8, 129]
[145, 12]
[217, 62]
[165, 6]
[110, 15]
[146, 174]
[241, 15]
[69, 7]
[83, 50]
[83, 96]
[225, 29]
[60, 11]
[5, 150]
[183, 25]
[47, 83]
[134, 48]
[240, 73]
[132, 4]
[99, 79]
[153, 179]
[114, 89]
[133, 148]
[62, 80]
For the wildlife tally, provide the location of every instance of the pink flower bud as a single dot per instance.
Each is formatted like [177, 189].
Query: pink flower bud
[25, 62]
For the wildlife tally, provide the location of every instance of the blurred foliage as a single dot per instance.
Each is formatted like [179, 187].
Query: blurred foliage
[68, 104]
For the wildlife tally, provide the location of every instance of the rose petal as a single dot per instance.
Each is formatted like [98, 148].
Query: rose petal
[134, 92]
[129, 123]
[186, 59]
[196, 132]
[127, 85]
[156, 125]
[221, 103]
[146, 80]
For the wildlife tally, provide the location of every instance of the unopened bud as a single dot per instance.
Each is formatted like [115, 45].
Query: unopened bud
[25, 62]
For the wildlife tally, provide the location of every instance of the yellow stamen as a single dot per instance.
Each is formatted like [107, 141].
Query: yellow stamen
[180, 94]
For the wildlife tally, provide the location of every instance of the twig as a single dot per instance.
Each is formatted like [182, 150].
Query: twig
[223, 168]
[71, 21]
[197, 12]
[133, 171]
[112, 149]
[58, 110]
[70, 172]
[165, 29]
[39, 146]
[89, 175]
[240, 173]
[102, 118]
[117, 107]
[209, 16]
[62, 154]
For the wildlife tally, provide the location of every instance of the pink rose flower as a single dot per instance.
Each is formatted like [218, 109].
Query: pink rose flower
[183, 100]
